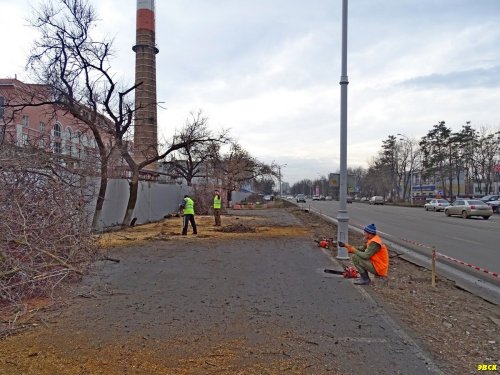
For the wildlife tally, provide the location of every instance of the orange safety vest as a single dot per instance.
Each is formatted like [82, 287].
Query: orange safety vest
[380, 259]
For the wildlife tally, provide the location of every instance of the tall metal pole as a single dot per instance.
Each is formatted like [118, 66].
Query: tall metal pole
[342, 215]
[279, 177]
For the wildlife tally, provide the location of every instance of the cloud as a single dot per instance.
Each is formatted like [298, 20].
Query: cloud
[270, 70]
[473, 78]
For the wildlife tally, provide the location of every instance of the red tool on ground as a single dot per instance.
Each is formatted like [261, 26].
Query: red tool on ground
[325, 242]
[349, 272]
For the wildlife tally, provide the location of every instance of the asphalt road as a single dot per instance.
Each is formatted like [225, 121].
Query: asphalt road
[475, 240]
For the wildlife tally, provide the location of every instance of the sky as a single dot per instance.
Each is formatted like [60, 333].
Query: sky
[269, 70]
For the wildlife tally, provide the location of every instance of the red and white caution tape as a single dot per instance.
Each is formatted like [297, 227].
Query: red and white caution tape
[494, 274]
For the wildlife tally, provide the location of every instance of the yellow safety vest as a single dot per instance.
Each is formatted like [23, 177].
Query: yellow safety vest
[189, 207]
[217, 201]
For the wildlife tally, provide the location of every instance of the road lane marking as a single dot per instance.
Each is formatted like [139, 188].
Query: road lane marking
[464, 240]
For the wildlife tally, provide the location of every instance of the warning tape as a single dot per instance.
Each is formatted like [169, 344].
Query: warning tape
[494, 274]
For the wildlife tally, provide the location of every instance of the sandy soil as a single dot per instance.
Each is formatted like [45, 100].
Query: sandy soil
[459, 329]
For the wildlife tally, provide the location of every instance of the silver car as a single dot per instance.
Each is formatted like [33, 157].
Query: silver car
[436, 205]
[376, 199]
[469, 207]
[300, 198]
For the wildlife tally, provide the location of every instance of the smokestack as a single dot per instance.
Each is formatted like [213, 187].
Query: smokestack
[146, 127]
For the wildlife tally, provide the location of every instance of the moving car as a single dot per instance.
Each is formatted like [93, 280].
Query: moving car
[300, 198]
[376, 199]
[436, 205]
[469, 207]
[316, 197]
[349, 199]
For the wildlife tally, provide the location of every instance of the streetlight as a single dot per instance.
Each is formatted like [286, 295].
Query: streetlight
[279, 177]
[411, 165]
[342, 215]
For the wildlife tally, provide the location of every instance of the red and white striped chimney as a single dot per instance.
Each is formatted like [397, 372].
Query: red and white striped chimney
[145, 123]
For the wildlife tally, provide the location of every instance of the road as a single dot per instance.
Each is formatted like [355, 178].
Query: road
[474, 240]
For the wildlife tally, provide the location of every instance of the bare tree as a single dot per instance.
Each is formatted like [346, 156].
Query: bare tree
[75, 71]
[76, 67]
[238, 167]
[193, 160]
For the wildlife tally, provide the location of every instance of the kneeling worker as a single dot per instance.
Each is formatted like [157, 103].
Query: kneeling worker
[371, 257]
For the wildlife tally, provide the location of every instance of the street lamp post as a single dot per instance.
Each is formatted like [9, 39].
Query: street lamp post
[411, 166]
[342, 215]
[279, 177]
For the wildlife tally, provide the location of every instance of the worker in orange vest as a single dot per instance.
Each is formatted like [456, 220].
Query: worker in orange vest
[371, 257]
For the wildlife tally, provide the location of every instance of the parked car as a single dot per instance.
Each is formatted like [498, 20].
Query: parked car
[316, 197]
[489, 198]
[495, 205]
[349, 199]
[328, 198]
[469, 207]
[376, 199]
[436, 205]
[300, 198]
[268, 198]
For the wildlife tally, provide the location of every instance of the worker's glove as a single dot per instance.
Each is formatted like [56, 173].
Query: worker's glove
[350, 249]
[341, 244]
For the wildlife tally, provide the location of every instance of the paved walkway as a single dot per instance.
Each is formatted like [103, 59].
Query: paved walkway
[240, 306]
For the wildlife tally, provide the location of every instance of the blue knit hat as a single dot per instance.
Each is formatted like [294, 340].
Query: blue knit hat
[371, 228]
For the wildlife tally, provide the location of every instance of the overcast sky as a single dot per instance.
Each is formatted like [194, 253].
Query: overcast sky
[269, 70]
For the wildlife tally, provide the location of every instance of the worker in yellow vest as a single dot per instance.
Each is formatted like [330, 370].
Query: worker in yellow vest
[187, 207]
[217, 208]
[371, 257]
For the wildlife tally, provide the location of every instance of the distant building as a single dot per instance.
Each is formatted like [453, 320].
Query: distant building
[41, 126]
[56, 131]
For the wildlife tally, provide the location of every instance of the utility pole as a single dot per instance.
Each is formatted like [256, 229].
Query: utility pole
[279, 177]
[342, 215]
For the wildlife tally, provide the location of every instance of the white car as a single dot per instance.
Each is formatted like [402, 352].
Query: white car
[376, 199]
[469, 207]
[300, 198]
[436, 205]
[316, 198]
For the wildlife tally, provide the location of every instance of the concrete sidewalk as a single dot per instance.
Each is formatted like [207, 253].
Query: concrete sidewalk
[252, 304]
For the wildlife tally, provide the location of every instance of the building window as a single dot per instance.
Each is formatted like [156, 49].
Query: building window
[2, 105]
[57, 130]
[57, 147]
[25, 139]
[41, 126]
[25, 121]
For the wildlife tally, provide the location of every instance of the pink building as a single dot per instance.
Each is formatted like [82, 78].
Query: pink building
[45, 126]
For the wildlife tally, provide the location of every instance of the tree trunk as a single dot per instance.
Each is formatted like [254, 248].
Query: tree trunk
[132, 199]
[102, 194]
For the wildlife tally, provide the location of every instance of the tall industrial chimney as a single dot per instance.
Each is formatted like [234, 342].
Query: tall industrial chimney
[146, 127]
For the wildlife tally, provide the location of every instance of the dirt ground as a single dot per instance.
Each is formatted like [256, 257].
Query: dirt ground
[460, 330]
